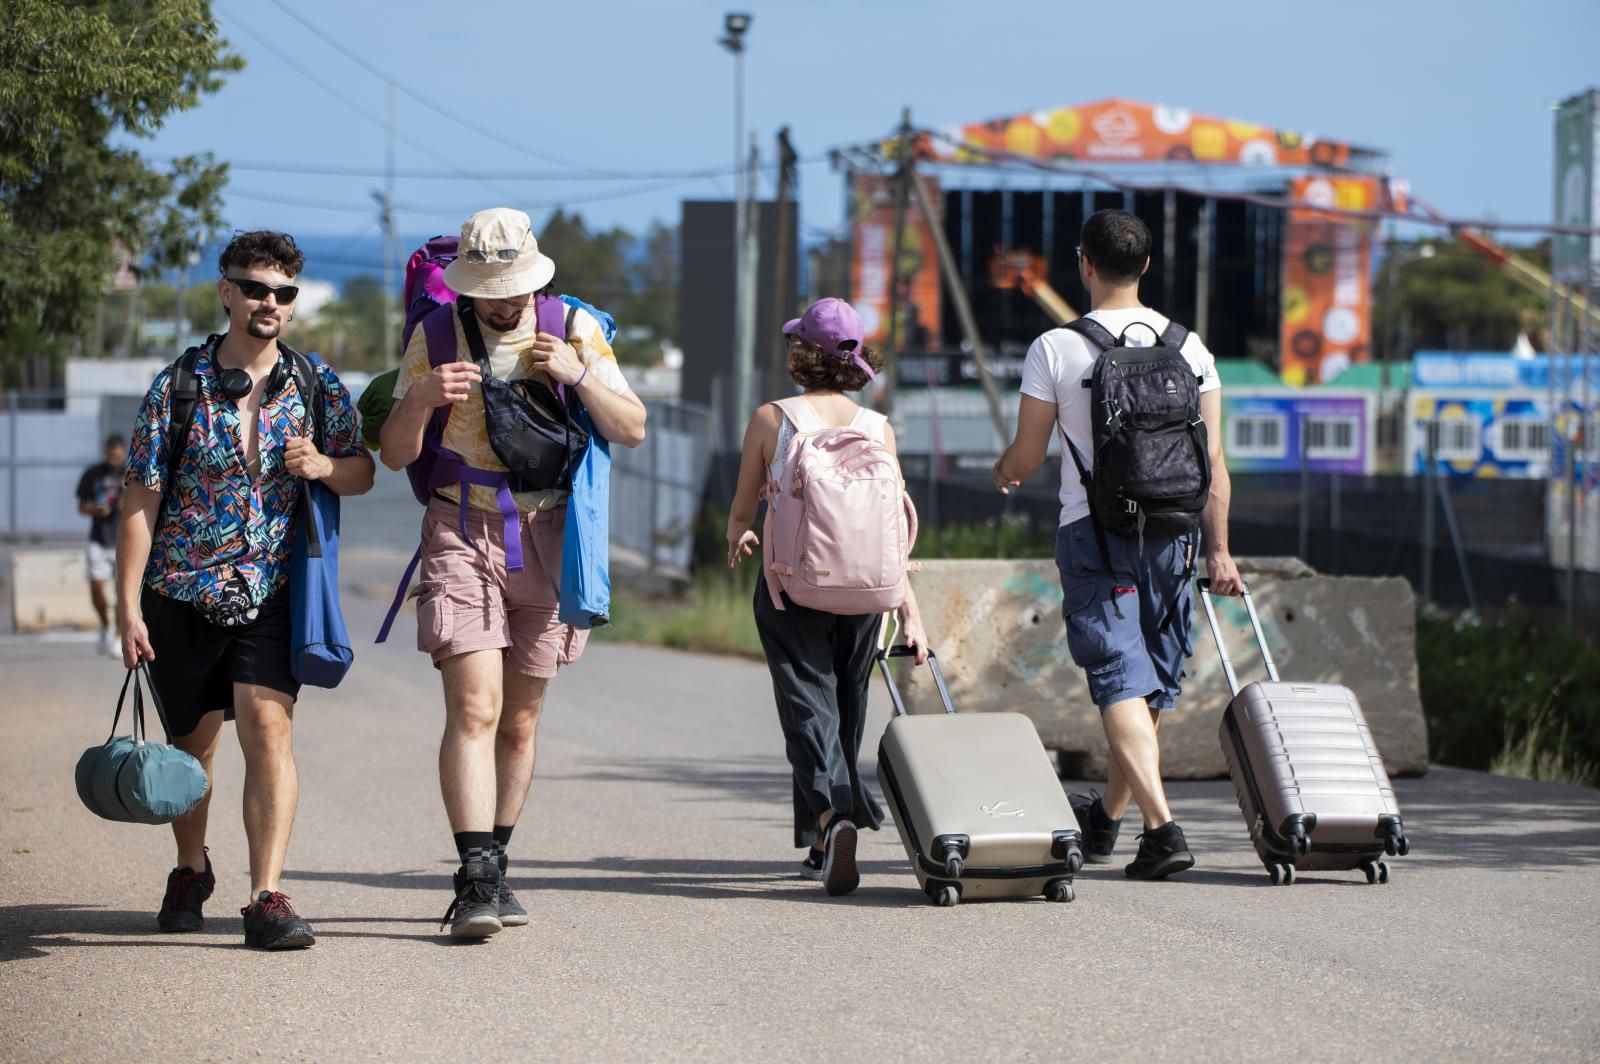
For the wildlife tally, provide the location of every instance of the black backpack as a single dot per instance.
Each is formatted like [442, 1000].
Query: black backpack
[1152, 463]
[186, 393]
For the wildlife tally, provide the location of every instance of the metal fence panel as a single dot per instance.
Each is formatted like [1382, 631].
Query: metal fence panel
[656, 489]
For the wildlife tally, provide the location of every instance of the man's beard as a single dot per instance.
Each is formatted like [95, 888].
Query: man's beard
[264, 328]
[507, 327]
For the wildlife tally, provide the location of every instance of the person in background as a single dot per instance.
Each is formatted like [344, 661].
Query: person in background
[820, 662]
[100, 500]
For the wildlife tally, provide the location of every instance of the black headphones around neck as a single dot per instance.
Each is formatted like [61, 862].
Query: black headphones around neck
[236, 383]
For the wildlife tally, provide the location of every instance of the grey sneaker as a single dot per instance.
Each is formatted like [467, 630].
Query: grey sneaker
[512, 914]
[476, 911]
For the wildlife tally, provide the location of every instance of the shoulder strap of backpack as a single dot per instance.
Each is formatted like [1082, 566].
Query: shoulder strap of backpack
[439, 329]
[804, 419]
[309, 381]
[1174, 335]
[871, 422]
[183, 395]
[1094, 332]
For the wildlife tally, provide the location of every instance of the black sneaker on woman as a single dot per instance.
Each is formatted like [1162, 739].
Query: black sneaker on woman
[839, 873]
[187, 891]
[270, 922]
[811, 867]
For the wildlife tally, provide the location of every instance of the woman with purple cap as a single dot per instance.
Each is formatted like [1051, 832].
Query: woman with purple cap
[820, 661]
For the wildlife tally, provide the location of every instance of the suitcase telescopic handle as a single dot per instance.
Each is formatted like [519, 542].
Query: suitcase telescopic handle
[903, 651]
[1216, 632]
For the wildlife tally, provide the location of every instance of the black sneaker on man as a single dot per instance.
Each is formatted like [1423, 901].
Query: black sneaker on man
[839, 873]
[512, 913]
[1162, 852]
[1098, 830]
[270, 922]
[187, 891]
[811, 867]
[476, 911]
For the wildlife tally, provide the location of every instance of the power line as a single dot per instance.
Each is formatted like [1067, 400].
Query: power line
[406, 90]
[295, 65]
[415, 173]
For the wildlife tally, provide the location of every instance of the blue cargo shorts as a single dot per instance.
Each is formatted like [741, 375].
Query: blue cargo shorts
[1115, 620]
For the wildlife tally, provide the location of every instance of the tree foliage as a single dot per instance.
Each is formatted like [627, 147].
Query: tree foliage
[78, 78]
[1454, 299]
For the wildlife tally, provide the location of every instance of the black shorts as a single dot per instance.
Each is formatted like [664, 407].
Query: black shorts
[197, 662]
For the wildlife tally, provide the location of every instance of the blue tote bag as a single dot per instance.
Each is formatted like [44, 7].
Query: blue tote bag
[319, 643]
[586, 546]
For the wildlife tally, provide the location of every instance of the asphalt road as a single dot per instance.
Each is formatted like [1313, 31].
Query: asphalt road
[668, 922]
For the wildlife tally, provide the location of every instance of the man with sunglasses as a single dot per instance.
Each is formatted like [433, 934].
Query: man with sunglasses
[488, 618]
[202, 564]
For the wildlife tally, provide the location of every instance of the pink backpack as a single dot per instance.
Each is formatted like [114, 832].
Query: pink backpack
[840, 525]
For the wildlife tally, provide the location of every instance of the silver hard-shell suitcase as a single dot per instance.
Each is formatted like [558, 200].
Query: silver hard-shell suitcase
[1309, 777]
[976, 801]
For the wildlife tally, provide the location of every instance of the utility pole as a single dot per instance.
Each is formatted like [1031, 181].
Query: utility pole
[734, 25]
[385, 201]
[780, 262]
[902, 195]
[744, 354]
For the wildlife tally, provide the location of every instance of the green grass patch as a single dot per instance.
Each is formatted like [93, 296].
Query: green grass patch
[1510, 696]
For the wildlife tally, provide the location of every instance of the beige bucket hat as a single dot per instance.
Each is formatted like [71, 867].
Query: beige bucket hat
[498, 257]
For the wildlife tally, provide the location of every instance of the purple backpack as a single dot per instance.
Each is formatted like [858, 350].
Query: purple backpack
[430, 303]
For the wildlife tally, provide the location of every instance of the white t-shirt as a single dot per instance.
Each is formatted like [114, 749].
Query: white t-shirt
[1061, 360]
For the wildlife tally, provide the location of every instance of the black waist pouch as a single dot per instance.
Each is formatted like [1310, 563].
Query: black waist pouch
[533, 433]
[531, 429]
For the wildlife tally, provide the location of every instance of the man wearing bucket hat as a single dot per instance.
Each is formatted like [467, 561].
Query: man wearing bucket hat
[489, 588]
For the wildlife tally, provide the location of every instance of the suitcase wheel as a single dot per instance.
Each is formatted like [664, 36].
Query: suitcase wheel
[1405, 845]
[1060, 890]
[1280, 873]
[1377, 871]
[945, 896]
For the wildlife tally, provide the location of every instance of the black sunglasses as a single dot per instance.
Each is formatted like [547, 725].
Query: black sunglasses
[286, 293]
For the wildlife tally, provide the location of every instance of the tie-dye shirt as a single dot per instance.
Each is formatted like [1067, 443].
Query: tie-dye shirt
[467, 431]
[218, 523]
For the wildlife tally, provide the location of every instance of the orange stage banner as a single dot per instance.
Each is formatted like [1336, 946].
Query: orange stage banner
[1124, 131]
[1327, 292]
[872, 211]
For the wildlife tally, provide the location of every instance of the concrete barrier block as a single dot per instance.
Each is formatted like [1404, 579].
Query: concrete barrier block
[49, 590]
[1001, 641]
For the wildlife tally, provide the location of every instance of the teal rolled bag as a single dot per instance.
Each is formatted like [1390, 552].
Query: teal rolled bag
[133, 780]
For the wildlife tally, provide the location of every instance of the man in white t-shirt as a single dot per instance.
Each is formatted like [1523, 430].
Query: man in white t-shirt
[1126, 602]
[489, 586]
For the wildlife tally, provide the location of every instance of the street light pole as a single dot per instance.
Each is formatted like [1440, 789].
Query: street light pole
[734, 25]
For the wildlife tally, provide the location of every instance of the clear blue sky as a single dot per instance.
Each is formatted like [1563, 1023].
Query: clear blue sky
[1458, 91]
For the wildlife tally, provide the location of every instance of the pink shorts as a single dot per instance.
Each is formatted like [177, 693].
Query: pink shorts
[466, 600]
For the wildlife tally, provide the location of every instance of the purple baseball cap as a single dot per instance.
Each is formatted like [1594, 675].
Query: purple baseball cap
[833, 325]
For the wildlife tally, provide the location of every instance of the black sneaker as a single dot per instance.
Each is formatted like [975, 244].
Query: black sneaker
[811, 867]
[270, 922]
[1098, 830]
[839, 873]
[1162, 851]
[476, 911]
[187, 890]
[512, 914]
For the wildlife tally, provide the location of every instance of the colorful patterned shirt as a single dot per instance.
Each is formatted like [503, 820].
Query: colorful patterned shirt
[218, 523]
